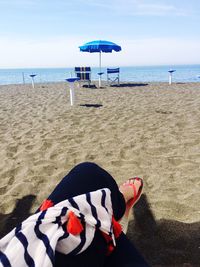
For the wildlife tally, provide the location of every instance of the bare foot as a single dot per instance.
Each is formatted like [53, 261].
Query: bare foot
[131, 190]
[128, 190]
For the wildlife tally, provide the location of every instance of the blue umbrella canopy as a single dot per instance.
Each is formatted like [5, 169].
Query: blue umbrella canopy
[100, 46]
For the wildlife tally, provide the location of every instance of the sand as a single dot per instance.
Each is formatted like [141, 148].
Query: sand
[149, 130]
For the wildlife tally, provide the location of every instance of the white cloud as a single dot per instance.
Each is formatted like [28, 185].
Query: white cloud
[140, 7]
[118, 7]
[158, 10]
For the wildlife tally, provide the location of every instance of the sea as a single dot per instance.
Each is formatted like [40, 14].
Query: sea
[182, 74]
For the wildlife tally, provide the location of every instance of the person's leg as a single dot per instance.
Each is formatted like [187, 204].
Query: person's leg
[88, 177]
[125, 255]
[83, 178]
[93, 256]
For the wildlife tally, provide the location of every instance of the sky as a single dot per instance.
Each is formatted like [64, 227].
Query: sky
[48, 33]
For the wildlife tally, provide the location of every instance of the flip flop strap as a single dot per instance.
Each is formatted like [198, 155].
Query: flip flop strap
[134, 191]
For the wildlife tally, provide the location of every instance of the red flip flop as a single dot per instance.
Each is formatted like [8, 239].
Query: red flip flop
[131, 202]
[137, 195]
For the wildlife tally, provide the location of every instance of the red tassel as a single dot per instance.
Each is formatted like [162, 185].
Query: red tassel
[107, 237]
[117, 229]
[74, 225]
[109, 241]
[46, 204]
[110, 249]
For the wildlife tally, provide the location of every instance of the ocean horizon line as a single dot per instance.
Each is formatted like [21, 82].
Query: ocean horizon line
[156, 73]
[106, 66]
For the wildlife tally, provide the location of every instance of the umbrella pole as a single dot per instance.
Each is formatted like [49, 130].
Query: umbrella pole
[170, 78]
[100, 69]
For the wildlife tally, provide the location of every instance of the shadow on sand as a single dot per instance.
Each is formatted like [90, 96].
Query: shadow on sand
[130, 85]
[163, 243]
[92, 86]
[91, 105]
[105, 86]
[19, 213]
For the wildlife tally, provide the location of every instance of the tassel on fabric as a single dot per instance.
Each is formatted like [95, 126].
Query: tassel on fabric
[110, 249]
[109, 241]
[74, 225]
[46, 204]
[117, 229]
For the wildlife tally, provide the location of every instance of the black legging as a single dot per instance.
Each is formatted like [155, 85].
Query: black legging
[87, 177]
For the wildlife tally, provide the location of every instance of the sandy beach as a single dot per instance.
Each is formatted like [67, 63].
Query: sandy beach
[148, 130]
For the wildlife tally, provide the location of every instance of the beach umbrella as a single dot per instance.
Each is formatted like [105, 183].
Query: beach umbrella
[100, 46]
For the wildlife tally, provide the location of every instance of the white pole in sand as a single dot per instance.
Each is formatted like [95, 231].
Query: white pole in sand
[170, 75]
[71, 82]
[100, 69]
[72, 94]
[100, 72]
[23, 78]
[32, 79]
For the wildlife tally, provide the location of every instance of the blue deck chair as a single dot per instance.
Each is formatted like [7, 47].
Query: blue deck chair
[113, 76]
[84, 74]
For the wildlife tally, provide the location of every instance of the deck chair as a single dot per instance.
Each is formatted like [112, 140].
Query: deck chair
[84, 74]
[113, 76]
